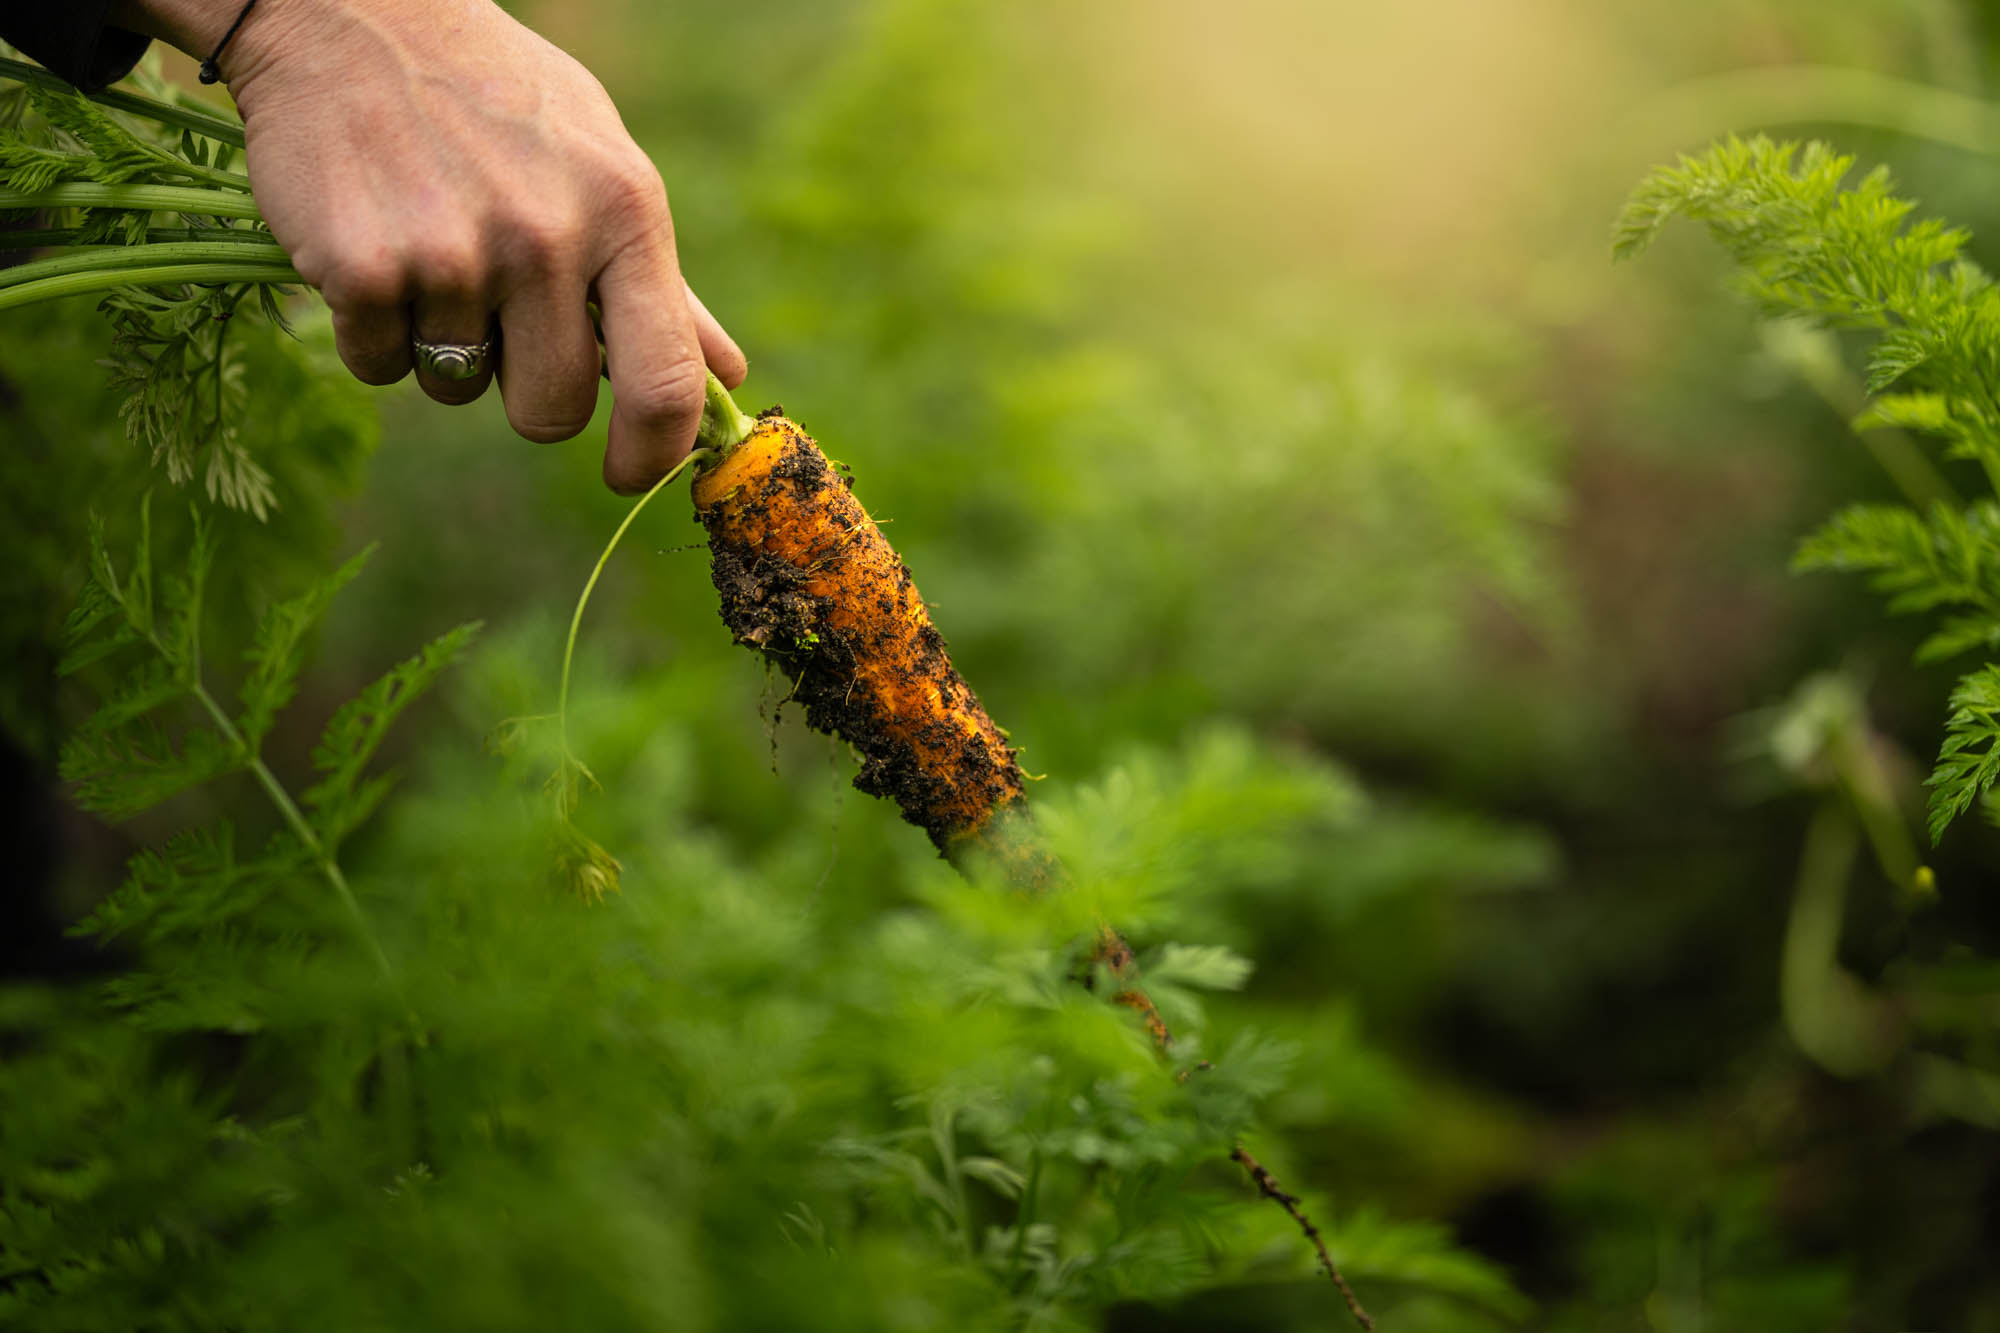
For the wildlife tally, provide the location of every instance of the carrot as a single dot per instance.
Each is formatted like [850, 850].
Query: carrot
[808, 579]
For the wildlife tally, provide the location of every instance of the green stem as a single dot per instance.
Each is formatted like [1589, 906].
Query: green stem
[1871, 795]
[395, 1064]
[209, 124]
[1841, 1025]
[98, 260]
[590, 585]
[77, 284]
[217, 176]
[141, 198]
[70, 238]
[723, 427]
[295, 819]
[723, 423]
[1815, 358]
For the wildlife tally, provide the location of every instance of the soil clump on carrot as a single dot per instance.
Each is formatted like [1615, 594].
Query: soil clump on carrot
[807, 579]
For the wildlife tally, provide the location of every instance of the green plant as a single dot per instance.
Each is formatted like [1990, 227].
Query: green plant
[171, 293]
[1812, 246]
[393, 1079]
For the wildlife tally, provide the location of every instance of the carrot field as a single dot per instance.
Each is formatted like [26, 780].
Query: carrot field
[1339, 669]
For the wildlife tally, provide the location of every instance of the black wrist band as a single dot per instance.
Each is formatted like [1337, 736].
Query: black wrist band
[210, 71]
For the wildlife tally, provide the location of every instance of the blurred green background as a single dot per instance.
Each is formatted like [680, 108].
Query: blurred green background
[1250, 385]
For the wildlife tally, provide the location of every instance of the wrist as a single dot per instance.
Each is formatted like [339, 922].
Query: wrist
[197, 27]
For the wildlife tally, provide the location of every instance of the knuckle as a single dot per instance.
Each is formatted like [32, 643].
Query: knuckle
[371, 278]
[543, 241]
[447, 264]
[311, 263]
[665, 395]
[632, 191]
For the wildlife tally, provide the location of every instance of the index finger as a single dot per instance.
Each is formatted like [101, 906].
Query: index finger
[653, 356]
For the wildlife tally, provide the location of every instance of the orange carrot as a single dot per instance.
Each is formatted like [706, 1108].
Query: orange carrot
[809, 580]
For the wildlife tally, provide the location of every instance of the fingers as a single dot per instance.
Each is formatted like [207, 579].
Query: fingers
[655, 362]
[659, 339]
[369, 300]
[548, 372]
[373, 341]
[453, 316]
[718, 349]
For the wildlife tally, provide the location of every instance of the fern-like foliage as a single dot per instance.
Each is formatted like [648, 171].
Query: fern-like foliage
[1948, 560]
[159, 730]
[343, 797]
[1969, 763]
[127, 1166]
[1811, 243]
[181, 381]
[184, 394]
[81, 141]
[1057, 1157]
[124, 759]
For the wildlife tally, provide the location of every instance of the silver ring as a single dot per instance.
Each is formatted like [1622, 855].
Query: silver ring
[453, 361]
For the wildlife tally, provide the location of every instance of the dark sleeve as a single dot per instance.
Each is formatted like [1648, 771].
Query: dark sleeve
[72, 39]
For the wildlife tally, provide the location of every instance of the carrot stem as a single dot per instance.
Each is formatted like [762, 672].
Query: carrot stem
[590, 584]
[156, 275]
[118, 259]
[723, 424]
[199, 200]
[723, 427]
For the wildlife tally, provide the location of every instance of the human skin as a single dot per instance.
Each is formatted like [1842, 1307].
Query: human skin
[439, 171]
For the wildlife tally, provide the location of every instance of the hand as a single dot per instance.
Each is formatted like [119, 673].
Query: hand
[432, 167]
